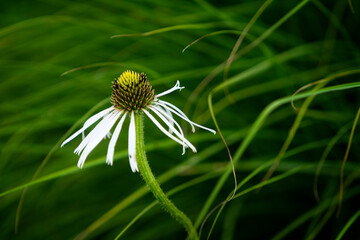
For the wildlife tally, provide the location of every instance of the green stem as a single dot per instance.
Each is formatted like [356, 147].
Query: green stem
[153, 184]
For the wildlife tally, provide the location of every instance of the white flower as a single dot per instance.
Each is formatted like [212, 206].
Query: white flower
[132, 94]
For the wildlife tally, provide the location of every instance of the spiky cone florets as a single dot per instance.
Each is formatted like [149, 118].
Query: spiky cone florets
[131, 92]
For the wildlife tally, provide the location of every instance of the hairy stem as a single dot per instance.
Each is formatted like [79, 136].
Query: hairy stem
[153, 184]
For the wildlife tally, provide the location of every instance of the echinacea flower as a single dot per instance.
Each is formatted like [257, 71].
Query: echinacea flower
[132, 94]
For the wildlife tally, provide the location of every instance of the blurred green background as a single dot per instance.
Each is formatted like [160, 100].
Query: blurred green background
[57, 61]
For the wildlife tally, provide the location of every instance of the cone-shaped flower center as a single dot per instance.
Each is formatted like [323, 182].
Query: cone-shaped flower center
[132, 91]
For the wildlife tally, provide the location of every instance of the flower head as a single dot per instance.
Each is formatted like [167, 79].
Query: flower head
[132, 94]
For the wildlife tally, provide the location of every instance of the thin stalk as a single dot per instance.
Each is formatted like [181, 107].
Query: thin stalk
[153, 185]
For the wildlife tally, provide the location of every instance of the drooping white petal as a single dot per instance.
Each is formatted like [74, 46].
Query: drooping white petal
[178, 134]
[111, 148]
[108, 135]
[168, 115]
[162, 128]
[97, 136]
[93, 132]
[87, 124]
[98, 128]
[132, 144]
[178, 112]
[176, 87]
[172, 121]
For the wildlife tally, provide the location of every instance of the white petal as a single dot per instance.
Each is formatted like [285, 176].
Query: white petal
[97, 136]
[176, 87]
[178, 112]
[160, 109]
[178, 134]
[132, 144]
[162, 128]
[108, 135]
[166, 114]
[111, 148]
[87, 124]
[93, 132]
[89, 138]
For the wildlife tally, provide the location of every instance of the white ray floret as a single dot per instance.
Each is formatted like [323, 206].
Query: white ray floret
[114, 138]
[95, 140]
[179, 113]
[132, 144]
[87, 124]
[171, 119]
[108, 135]
[176, 110]
[169, 116]
[179, 133]
[176, 87]
[163, 129]
[93, 133]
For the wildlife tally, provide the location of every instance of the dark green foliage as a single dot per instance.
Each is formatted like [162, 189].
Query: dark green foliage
[57, 64]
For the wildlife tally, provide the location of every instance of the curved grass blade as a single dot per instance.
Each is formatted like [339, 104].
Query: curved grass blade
[293, 129]
[345, 158]
[326, 152]
[257, 125]
[348, 225]
[240, 40]
[170, 28]
[245, 50]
